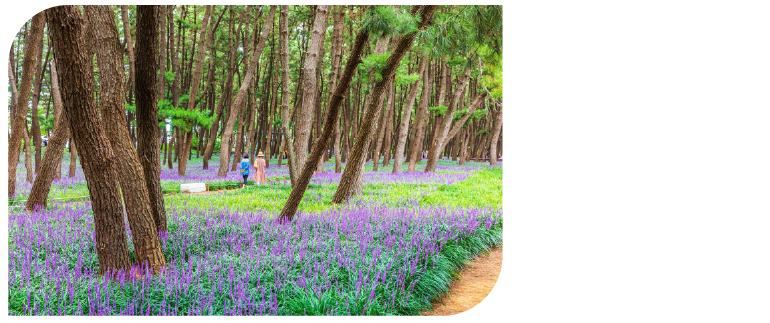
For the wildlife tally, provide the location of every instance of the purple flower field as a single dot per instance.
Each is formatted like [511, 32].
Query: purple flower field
[358, 260]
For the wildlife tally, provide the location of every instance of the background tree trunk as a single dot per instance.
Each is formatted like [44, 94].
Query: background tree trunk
[298, 190]
[310, 83]
[238, 103]
[403, 131]
[186, 143]
[421, 120]
[285, 115]
[496, 136]
[440, 137]
[51, 164]
[354, 167]
[35, 131]
[19, 117]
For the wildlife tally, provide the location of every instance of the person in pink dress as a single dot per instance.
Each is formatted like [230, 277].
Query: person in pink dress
[259, 170]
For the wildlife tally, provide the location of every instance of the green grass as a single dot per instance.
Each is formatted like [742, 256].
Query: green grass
[482, 189]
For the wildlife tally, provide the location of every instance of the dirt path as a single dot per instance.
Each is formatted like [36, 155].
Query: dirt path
[476, 281]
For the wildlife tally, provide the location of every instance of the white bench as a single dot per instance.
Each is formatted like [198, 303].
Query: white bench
[192, 187]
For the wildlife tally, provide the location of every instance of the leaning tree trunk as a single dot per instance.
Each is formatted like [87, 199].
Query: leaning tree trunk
[104, 35]
[405, 117]
[19, 118]
[332, 116]
[240, 98]
[421, 120]
[196, 80]
[354, 167]
[99, 161]
[443, 123]
[285, 115]
[310, 83]
[35, 99]
[51, 164]
[148, 149]
[459, 124]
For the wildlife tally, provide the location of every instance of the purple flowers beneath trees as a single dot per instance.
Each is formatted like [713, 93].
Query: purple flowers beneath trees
[353, 260]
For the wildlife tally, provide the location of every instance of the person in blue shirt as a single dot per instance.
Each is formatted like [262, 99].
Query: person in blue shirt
[245, 168]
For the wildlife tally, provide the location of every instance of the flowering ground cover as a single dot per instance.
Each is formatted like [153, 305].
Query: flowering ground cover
[389, 251]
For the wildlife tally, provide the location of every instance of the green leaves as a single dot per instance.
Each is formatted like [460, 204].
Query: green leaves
[375, 64]
[438, 110]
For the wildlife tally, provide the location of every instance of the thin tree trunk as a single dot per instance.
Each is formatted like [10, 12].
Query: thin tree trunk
[104, 35]
[285, 115]
[51, 164]
[421, 120]
[305, 112]
[35, 100]
[298, 190]
[28, 155]
[386, 148]
[354, 167]
[19, 117]
[405, 117]
[440, 137]
[238, 103]
[99, 160]
[495, 137]
[185, 144]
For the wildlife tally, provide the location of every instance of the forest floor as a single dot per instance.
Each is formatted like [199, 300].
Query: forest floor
[477, 280]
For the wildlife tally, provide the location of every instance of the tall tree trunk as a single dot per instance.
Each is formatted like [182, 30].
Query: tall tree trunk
[51, 164]
[440, 137]
[28, 155]
[305, 112]
[19, 117]
[464, 145]
[196, 79]
[238, 103]
[99, 160]
[298, 190]
[147, 109]
[354, 167]
[35, 100]
[104, 35]
[285, 116]
[421, 120]
[162, 53]
[339, 26]
[228, 89]
[458, 125]
[385, 150]
[403, 130]
[496, 136]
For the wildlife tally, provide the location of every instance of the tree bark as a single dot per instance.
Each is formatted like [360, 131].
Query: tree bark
[104, 34]
[354, 167]
[421, 120]
[298, 190]
[238, 103]
[339, 26]
[495, 137]
[439, 138]
[305, 112]
[99, 164]
[51, 164]
[285, 116]
[35, 100]
[206, 41]
[19, 117]
[406, 116]
[148, 149]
